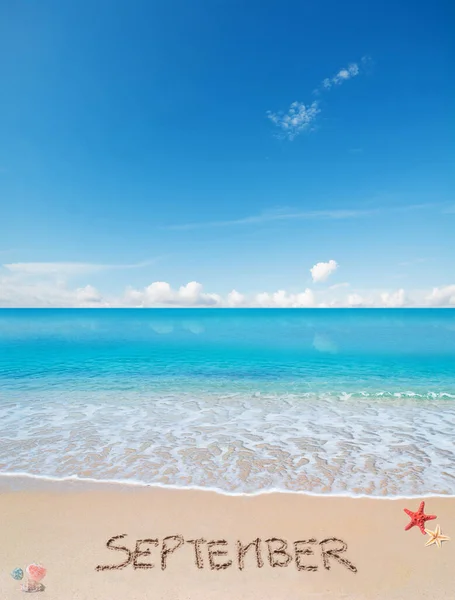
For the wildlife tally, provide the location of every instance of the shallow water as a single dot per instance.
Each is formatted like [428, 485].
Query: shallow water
[324, 401]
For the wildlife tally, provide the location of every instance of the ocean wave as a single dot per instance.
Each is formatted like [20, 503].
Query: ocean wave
[374, 443]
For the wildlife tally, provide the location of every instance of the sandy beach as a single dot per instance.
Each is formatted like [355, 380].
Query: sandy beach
[205, 545]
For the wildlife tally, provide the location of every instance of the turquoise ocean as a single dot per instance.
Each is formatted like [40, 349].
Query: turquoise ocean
[242, 401]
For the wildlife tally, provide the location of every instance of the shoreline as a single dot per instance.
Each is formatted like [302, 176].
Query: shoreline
[32, 482]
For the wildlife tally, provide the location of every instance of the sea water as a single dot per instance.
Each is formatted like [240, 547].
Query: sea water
[242, 401]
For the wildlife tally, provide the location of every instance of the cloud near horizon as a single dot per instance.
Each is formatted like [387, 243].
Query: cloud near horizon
[30, 292]
[161, 293]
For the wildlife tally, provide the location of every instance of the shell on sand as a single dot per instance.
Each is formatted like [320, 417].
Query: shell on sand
[36, 572]
[17, 574]
[32, 586]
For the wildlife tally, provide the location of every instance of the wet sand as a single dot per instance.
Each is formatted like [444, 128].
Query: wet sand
[205, 545]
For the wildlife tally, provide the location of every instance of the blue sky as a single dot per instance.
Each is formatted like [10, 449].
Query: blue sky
[143, 142]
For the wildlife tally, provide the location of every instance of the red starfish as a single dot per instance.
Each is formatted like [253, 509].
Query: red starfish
[418, 518]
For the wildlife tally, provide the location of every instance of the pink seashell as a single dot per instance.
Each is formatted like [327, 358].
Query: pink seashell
[36, 572]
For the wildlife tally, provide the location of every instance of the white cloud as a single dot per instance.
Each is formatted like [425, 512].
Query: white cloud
[297, 119]
[300, 116]
[31, 290]
[160, 293]
[322, 270]
[283, 299]
[235, 299]
[16, 292]
[343, 75]
[355, 300]
[394, 299]
[442, 296]
[88, 294]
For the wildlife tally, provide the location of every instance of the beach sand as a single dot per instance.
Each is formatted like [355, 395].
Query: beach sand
[66, 528]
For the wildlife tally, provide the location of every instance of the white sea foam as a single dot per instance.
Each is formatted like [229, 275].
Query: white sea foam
[386, 444]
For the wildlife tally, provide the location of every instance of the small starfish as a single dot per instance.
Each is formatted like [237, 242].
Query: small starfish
[436, 537]
[418, 518]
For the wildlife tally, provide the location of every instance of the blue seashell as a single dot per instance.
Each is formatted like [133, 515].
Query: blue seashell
[17, 574]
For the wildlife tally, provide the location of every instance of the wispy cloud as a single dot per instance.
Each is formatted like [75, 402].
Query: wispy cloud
[343, 75]
[68, 269]
[298, 118]
[288, 215]
[408, 263]
[338, 286]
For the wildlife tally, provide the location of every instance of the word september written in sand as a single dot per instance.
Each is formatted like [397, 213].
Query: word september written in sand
[305, 554]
